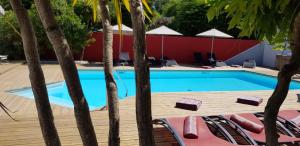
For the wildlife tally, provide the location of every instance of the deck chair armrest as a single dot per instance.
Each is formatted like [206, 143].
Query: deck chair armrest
[239, 129]
[283, 124]
[167, 125]
[221, 129]
[287, 124]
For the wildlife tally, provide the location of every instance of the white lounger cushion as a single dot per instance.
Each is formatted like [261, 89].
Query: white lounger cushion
[171, 62]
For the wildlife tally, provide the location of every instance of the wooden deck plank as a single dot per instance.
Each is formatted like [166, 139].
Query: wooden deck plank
[26, 130]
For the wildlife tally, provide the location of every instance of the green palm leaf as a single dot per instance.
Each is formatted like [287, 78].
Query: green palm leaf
[147, 6]
[117, 5]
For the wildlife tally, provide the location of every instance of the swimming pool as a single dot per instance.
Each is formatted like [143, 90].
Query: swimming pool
[93, 84]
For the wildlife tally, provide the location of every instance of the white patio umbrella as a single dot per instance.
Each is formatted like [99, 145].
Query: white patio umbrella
[163, 30]
[125, 30]
[214, 33]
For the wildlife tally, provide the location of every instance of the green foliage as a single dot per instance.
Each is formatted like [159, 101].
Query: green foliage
[271, 20]
[10, 42]
[6, 5]
[84, 12]
[190, 17]
[75, 30]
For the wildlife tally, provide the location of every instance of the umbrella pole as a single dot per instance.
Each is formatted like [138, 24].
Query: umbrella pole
[162, 47]
[212, 47]
[120, 43]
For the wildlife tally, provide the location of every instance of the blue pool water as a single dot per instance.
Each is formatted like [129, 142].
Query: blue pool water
[93, 84]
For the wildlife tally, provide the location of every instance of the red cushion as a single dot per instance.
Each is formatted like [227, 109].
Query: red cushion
[247, 124]
[190, 127]
[206, 67]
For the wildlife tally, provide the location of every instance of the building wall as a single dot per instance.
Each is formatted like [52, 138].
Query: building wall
[270, 55]
[263, 54]
[256, 52]
[179, 48]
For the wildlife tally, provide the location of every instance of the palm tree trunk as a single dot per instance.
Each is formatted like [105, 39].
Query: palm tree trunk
[66, 61]
[282, 88]
[36, 75]
[142, 77]
[111, 86]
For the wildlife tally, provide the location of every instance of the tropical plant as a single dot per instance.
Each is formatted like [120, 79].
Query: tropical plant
[192, 13]
[84, 11]
[7, 6]
[66, 61]
[36, 76]
[11, 43]
[274, 21]
[76, 32]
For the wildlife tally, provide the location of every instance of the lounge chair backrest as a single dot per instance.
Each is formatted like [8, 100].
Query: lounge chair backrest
[3, 57]
[249, 63]
[124, 56]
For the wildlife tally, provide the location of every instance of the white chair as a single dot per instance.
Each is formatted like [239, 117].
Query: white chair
[124, 56]
[3, 58]
[171, 63]
[220, 64]
[249, 64]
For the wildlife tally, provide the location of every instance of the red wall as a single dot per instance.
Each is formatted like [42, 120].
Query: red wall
[175, 47]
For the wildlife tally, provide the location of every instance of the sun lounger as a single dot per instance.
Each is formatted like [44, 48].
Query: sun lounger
[153, 62]
[220, 64]
[211, 58]
[171, 62]
[188, 104]
[204, 136]
[250, 100]
[249, 64]
[3, 58]
[291, 120]
[235, 65]
[124, 58]
[7, 110]
[251, 124]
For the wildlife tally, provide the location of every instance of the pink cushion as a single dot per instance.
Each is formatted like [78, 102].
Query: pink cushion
[247, 124]
[206, 67]
[190, 127]
[296, 120]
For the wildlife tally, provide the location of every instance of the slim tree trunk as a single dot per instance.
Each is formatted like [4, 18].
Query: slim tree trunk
[142, 77]
[111, 86]
[36, 75]
[282, 88]
[66, 61]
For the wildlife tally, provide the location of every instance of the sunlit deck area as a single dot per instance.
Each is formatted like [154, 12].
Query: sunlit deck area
[26, 130]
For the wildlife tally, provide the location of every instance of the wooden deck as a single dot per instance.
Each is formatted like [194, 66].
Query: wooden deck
[26, 130]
